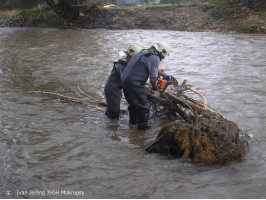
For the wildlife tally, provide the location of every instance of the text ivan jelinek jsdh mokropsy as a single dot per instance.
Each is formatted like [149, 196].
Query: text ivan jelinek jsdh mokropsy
[50, 192]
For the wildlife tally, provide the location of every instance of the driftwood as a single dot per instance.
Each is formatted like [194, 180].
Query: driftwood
[84, 99]
[196, 131]
[199, 133]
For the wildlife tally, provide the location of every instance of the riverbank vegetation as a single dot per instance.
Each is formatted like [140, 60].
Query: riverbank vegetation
[246, 16]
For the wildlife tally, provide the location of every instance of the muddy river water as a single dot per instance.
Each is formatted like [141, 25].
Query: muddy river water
[52, 149]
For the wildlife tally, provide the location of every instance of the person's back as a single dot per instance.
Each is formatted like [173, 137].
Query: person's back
[113, 89]
[142, 66]
[113, 86]
[136, 75]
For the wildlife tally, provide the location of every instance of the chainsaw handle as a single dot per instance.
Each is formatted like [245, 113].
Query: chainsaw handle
[184, 82]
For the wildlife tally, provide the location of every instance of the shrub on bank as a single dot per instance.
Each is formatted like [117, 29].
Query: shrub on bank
[14, 4]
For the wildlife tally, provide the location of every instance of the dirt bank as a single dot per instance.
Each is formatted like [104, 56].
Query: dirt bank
[193, 17]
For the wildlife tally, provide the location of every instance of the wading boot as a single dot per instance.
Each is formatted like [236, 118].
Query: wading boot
[112, 115]
[132, 115]
[143, 116]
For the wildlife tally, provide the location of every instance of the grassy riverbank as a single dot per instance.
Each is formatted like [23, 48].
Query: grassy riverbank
[186, 17]
[29, 18]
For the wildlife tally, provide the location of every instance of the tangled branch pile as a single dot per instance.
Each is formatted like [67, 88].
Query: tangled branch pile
[196, 131]
[199, 133]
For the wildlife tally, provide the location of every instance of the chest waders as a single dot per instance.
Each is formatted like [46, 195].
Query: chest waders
[113, 89]
[134, 78]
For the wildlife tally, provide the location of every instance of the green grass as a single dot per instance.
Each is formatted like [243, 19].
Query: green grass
[243, 26]
[10, 14]
[19, 13]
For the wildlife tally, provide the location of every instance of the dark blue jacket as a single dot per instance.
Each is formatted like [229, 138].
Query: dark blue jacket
[134, 78]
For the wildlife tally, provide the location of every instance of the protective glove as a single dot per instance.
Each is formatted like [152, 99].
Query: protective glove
[161, 71]
[155, 87]
[166, 77]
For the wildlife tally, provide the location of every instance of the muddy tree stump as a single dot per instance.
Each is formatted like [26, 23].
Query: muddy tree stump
[199, 133]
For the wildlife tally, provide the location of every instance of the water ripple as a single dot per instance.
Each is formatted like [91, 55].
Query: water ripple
[46, 144]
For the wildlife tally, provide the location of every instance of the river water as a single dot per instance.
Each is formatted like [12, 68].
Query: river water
[48, 147]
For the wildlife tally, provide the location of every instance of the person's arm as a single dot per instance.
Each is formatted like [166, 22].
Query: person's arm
[161, 72]
[153, 81]
[164, 75]
[153, 65]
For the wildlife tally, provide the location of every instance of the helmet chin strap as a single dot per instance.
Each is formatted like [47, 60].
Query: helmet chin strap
[153, 50]
[160, 56]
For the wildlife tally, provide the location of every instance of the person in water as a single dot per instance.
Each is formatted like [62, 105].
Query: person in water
[142, 66]
[113, 86]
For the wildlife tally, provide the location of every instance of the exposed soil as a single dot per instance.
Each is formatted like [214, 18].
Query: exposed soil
[193, 17]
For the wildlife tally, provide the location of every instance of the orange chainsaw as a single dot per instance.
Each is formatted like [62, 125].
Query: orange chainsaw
[163, 84]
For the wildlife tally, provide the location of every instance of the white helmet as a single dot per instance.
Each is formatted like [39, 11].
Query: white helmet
[163, 48]
[133, 49]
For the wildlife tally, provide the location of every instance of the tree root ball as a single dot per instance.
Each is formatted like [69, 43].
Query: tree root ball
[208, 141]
